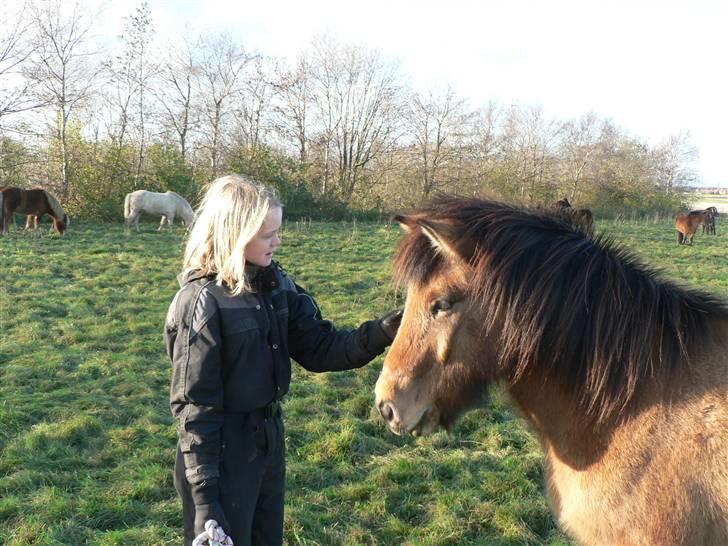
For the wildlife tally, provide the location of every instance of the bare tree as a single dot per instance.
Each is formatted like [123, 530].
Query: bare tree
[16, 46]
[123, 79]
[221, 68]
[325, 70]
[434, 122]
[139, 71]
[675, 162]
[62, 67]
[358, 97]
[294, 99]
[579, 143]
[527, 150]
[176, 93]
[622, 174]
[483, 145]
[254, 102]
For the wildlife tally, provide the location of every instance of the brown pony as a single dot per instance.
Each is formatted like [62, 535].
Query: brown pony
[687, 224]
[622, 376]
[582, 217]
[34, 203]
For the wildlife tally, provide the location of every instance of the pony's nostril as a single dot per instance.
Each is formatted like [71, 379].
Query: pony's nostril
[387, 411]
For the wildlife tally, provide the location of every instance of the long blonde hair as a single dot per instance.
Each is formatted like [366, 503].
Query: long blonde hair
[230, 215]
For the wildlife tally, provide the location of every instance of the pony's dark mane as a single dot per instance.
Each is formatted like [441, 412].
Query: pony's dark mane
[582, 308]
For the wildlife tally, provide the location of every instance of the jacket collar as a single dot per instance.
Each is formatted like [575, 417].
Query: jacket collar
[261, 278]
[191, 276]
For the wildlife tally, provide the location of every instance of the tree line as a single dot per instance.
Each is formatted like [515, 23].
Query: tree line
[336, 131]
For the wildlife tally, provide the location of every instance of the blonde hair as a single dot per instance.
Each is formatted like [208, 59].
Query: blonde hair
[230, 215]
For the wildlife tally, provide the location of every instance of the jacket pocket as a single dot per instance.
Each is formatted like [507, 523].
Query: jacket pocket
[244, 324]
[259, 444]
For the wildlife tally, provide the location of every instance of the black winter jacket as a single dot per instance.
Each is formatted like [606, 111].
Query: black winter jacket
[231, 354]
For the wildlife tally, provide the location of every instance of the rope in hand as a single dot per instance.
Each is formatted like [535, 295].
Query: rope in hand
[212, 536]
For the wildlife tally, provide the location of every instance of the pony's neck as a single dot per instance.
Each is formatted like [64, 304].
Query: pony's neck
[561, 424]
[579, 440]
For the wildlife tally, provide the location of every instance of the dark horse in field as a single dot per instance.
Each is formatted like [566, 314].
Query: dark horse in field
[582, 217]
[33, 203]
[709, 226]
[622, 376]
[687, 224]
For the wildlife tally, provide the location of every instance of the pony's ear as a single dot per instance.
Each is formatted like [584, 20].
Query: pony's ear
[407, 223]
[442, 236]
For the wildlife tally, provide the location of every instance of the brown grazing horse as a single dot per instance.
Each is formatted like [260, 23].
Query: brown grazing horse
[622, 376]
[34, 203]
[582, 217]
[687, 224]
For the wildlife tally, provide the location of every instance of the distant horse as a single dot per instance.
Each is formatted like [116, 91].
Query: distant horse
[168, 205]
[583, 218]
[709, 226]
[12, 216]
[622, 376]
[34, 203]
[687, 224]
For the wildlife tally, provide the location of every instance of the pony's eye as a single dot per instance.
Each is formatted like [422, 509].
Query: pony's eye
[441, 306]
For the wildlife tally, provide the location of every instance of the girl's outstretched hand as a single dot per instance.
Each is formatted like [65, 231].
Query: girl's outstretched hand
[390, 323]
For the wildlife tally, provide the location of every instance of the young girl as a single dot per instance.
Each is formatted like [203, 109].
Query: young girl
[230, 333]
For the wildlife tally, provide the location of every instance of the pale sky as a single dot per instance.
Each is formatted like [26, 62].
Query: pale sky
[655, 68]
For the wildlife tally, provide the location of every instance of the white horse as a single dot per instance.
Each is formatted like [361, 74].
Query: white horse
[167, 205]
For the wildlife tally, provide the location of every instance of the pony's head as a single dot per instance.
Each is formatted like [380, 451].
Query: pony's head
[496, 292]
[185, 212]
[188, 220]
[61, 225]
[60, 218]
[428, 378]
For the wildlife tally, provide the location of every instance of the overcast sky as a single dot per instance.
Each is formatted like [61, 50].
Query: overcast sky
[653, 68]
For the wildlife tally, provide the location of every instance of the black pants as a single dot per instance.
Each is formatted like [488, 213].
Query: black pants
[252, 481]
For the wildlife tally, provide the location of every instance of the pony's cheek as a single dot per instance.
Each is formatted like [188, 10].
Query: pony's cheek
[447, 346]
[444, 345]
[446, 340]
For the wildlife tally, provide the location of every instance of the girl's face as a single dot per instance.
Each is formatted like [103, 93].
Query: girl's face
[259, 250]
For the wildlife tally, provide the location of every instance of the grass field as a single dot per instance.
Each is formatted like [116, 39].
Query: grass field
[87, 441]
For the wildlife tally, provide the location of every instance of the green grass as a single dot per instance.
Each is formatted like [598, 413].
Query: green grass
[87, 441]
